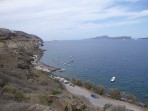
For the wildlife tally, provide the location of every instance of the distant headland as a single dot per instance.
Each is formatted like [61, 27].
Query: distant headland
[144, 38]
[108, 37]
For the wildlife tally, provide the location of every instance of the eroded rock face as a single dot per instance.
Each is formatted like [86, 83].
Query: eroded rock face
[16, 47]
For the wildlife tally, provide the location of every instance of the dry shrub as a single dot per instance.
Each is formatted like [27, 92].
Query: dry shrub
[43, 82]
[115, 93]
[119, 108]
[88, 85]
[27, 90]
[13, 93]
[99, 89]
[16, 74]
[14, 106]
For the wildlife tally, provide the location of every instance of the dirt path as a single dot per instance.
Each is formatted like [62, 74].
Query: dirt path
[102, 100]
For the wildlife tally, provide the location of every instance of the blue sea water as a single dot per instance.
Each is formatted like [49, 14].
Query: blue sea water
[99, 60]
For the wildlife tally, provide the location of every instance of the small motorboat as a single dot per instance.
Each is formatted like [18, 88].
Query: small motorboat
[113, 79]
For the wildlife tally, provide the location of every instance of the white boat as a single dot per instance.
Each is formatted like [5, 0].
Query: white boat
[61, 70]
[112, 79]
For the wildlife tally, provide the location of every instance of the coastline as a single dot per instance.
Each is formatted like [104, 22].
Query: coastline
[44, 67]
[37, 64]
[99, 69]
[81, 91]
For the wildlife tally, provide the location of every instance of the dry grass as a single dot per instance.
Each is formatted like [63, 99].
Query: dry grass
[119, 108]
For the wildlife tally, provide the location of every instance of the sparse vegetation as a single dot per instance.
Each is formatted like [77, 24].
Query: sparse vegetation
[115, 93]
[61, 86]
[106, 106]
[77, 82]
[99, 89]
[44, 99]
[55, 92]
[146, 104]
[119, 108]
[14, 106]
[17, 94]
[88, 85]
[131, 97]
[2, 41]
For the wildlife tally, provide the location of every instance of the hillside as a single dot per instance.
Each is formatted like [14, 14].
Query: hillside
[22, 87]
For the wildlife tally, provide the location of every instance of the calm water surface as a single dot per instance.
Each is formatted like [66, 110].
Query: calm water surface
[99, 60]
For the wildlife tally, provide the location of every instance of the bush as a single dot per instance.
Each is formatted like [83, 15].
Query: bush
[77, 82]
[2, 41]
[99, 89]
[119, 108]
[43, 99]
[88, 85]
[8, 89]
[61, 86]
[131, 97]
[17, 94]
[106, 106]
[55, 92]
[115, 93]
[146, 103]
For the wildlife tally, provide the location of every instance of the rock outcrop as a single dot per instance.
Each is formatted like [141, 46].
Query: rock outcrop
[17, 47]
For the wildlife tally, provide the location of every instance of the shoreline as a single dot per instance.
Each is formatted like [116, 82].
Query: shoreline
[37, 64]
[100, 100]
[44, 67]
[52, 69]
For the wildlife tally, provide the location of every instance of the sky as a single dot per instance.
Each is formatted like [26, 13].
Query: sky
[76, 19]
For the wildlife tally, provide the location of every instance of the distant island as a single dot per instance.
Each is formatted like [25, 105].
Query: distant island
[107, 37]
[144, 38]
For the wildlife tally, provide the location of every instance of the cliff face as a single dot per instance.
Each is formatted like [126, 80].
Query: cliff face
[17, 47]
[23, 88]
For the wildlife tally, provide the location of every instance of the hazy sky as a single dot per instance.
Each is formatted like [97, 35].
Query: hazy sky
[76, 19]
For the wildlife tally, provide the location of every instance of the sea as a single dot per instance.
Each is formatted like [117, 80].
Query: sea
[99, 60]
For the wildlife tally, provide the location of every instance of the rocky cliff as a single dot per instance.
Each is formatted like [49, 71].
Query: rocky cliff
[23, 88]
[17, 47]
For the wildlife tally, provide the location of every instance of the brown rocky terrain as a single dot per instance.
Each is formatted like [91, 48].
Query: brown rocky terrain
[23, 88]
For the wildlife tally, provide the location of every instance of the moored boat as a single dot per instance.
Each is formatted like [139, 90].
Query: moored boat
[113, 79]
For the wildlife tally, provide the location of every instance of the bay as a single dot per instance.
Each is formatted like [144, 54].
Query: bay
[99, 60]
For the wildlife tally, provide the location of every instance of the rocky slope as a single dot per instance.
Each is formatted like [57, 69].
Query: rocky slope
[22, 88]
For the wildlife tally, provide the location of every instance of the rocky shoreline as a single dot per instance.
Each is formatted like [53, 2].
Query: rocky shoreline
[41, 66]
